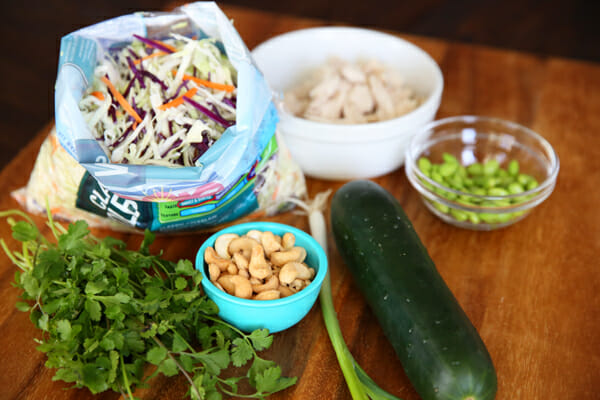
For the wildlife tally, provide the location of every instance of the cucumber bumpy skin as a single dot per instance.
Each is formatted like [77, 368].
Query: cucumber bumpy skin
[438, 346]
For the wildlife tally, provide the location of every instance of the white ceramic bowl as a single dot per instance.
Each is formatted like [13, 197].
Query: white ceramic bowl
[341, 151]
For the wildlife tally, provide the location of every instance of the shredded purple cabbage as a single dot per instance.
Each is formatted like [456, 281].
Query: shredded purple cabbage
[181, 85]
[229, 102]
[174, 145]
[136, 73]
[123, 136]
[133, 53]
[218, 119]
[202, 147]
[154, 78]
[128, 88]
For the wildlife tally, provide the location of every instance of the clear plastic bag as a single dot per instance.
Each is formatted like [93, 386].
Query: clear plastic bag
[246, 171]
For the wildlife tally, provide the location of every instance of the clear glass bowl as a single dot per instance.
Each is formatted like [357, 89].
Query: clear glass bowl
[490, 199]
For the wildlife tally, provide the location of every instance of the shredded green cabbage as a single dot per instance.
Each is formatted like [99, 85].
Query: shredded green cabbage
[149, 78]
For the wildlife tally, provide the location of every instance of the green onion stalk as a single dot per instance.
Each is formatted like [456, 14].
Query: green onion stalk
[360, 385]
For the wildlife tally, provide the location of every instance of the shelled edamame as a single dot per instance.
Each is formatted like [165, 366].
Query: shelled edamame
[482, 185]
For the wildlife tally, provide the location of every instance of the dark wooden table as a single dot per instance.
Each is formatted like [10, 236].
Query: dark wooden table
[532, 290]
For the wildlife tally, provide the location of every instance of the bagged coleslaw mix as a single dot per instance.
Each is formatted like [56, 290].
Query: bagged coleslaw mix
[162, 122]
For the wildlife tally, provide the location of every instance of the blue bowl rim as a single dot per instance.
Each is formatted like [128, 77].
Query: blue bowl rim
[264, 226]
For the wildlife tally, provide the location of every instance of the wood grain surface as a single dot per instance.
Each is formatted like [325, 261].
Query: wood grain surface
[531, 290]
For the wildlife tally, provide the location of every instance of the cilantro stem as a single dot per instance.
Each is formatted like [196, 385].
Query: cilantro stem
[51, 224]
[233, 394]
[189, 346]
[10, 255]
[8, 213]
[125, 380]
[183, 371]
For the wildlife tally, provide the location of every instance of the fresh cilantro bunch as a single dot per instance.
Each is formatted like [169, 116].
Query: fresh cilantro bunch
[107, 312]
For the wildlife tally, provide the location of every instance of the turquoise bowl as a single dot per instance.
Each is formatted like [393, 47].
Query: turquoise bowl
[274, 315]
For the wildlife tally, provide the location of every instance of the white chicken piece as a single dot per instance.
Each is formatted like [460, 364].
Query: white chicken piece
[383, 100]
[352, 73]
[351, 93]
[326, 87]
[358, 104]
[332, 108]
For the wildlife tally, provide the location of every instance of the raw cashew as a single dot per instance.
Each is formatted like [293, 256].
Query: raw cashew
[244, 273]
[288, 273]
[254, 234]
[288, 240]
[297, 285]
[281, 258]
[258, 266]
[285, 291]
[211, 257]
[242, 245]
[256, 281]
[303, 271]
[269, 242]
[213, 272]
[243, 288]
[271, 284]
[222, 244]
[232, 269]
[226, 283]
[240, 261]
[268, 295]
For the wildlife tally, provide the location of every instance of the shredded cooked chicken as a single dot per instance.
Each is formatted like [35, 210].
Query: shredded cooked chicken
[351, 93]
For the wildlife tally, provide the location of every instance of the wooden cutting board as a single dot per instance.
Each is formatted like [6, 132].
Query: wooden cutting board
[532, 290]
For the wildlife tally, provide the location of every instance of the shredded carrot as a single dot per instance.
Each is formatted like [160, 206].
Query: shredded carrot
[122, 101]
[98, 95]
[179, 100]
[190, 93]
[55, 210]
[168, 46]
[155, 54]
[209, 84]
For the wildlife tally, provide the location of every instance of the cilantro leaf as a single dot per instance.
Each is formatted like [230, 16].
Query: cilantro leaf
[71, 242]
[94, 377]
[261, 339]
[42, 322]
[270, 380]
[156, 355]
[241, 352]
[168, 367]
[22, 306]
[185, 267]
[24, 231]
[63, 328]
[94, 309]
[179, 344]
[187, 362]
[95, 287]
[180, 283]
[148, 240]
[215, 361]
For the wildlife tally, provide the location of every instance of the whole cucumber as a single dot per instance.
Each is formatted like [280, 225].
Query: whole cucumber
[438, 346]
